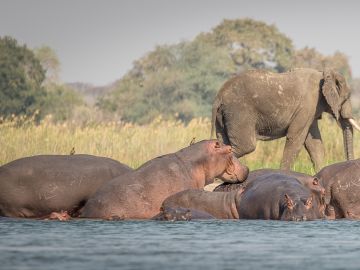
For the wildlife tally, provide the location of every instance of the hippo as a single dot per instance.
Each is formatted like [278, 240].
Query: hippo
[139, 195]
[342, 189]
[308, 180]
[37, 186]
[180, 214]
[220, 205]
[280, 197]
[270, 196]
[311, 182]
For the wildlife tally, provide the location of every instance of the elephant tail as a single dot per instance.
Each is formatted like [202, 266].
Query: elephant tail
[215, 109]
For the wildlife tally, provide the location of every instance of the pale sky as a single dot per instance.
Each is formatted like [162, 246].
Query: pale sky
[97, 41]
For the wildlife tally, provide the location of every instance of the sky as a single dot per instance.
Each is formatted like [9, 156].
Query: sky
[97, 41]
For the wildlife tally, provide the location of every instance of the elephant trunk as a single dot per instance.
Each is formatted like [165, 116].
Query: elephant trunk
[348, 138]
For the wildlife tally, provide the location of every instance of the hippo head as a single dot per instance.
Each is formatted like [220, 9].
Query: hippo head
[298, 210]
[173, 214]
[319, 192]
[221, 163]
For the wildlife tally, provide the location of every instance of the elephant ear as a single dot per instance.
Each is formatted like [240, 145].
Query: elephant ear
[330, 92]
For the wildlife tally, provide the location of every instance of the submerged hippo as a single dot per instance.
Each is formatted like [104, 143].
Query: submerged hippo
[140, 194]
[270, 196]
[221, 205]
[180, 214]
[278, 196]
[342, 188]
[39, 185]
[311, 182]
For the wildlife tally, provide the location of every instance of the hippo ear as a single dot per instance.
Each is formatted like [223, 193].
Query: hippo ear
[217, 144]
[308, 203]
[230, 168]
[289, 202]
[330, 92]
[315, 181]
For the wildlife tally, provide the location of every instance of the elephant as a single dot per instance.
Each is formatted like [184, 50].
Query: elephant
[261, 105]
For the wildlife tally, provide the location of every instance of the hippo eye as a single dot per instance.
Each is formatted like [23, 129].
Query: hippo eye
[217, 144]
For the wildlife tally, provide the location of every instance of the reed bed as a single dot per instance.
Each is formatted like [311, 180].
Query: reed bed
[134, 144]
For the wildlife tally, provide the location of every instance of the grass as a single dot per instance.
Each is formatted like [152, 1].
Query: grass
[134, 144]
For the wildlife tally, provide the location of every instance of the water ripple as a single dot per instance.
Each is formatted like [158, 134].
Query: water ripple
[215, 244]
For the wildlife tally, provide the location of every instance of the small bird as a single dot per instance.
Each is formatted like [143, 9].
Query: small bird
[192, 141]
[72, 152]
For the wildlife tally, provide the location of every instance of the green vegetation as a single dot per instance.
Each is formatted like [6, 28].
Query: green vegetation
[28, 83]
[21, 77]
[135, 144]
[158, 106]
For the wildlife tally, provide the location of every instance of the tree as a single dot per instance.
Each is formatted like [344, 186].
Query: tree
[21, 76]
[60, 102]
[50, 63]
[252, 44]
[181, 80]
[311, 58]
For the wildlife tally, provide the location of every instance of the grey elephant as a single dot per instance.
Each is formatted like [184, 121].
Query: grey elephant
[261, 105]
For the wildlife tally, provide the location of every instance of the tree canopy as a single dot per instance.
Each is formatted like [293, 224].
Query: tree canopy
[21, 77]
[309, 57]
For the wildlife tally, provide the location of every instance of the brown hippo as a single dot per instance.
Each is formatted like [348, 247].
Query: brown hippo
[342, 189]
[180, 214]
[278, 196]
[221, 205]
[39, 185]
[140, 194]
[308, 181]
[270, 196]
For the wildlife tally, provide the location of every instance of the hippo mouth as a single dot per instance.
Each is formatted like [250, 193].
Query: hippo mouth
[303, 218]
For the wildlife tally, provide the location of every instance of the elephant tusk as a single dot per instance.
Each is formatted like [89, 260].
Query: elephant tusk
[354, 124]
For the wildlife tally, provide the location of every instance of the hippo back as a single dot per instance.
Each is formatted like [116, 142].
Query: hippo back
[38, 185]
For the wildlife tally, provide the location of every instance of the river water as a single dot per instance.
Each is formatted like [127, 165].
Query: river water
[215, 244]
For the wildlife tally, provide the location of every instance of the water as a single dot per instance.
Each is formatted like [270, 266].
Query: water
[216, 244]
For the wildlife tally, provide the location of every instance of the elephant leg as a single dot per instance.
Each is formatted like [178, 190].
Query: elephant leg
[295, 139]
[241, 134]
[220, 130]
[314, 146]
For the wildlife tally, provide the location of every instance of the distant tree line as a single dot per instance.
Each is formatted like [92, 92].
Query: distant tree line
[176, 81]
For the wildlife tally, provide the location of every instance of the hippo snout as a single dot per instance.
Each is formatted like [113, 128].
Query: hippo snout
[299, 218]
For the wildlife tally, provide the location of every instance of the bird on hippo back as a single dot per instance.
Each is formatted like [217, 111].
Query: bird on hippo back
[261, 105]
